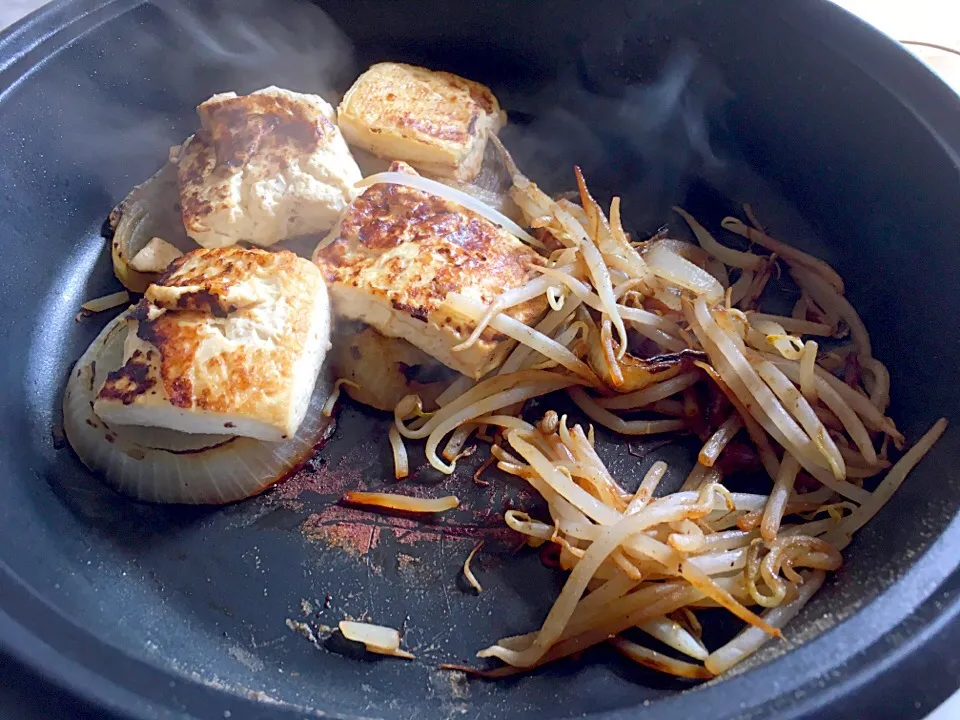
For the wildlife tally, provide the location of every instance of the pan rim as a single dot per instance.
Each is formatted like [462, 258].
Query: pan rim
[27, 45]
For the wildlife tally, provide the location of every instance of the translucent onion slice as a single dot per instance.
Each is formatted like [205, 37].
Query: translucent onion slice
[456, 196]
[107, 302]
[679, 271]
[155, 256]
[150, 210]
[376, 638]
[158, 465]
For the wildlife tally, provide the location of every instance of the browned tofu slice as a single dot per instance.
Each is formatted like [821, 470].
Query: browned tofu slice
[264, 167]
[228, 341]
[436, 121]
[398, 252]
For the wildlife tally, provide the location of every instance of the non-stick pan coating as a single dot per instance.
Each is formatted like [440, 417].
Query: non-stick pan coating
[155, 610]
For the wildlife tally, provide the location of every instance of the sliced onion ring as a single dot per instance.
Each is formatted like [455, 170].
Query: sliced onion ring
[158, 465]
[150, 210]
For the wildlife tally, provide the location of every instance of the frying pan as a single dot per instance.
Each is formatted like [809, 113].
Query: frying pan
[838, 137]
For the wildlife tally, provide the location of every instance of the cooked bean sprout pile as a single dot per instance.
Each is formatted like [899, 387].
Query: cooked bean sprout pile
[663, 336]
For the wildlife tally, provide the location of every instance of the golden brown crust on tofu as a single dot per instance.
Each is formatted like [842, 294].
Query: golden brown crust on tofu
[241, 127]
[436, 121]
[236, 381]
[213, 280]
[264, 167]
[225, 332]
[404, 250]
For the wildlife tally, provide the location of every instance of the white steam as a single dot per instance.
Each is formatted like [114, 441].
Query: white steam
[642, 140]
[639, 137]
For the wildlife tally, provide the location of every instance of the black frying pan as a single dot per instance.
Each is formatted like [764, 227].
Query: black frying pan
[154, 612]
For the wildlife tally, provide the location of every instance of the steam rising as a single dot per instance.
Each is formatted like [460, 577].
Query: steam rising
[120, 127]
[254, 43]
[641, 140]
[639, 137]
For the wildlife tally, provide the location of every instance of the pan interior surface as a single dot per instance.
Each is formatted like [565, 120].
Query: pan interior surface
[708, 104]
